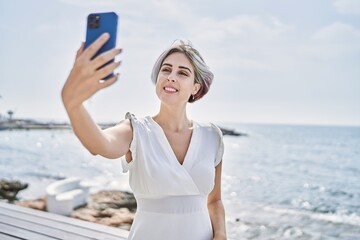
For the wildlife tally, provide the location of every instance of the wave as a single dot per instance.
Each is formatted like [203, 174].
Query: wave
[263, 222]
[44, 175]
[351, 219]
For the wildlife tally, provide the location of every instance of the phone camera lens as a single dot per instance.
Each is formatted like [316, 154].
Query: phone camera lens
[94, 21]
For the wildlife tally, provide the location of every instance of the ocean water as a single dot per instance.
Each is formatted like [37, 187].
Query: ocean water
[279, 182]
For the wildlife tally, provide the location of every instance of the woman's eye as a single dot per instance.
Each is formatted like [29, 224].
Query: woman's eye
[184, 73]
[165, 70]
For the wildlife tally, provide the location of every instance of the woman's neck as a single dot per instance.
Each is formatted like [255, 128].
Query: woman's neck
[173, 118]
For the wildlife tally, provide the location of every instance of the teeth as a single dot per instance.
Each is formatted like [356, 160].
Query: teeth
[170, 89]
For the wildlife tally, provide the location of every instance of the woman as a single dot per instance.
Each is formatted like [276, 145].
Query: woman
[174, 163]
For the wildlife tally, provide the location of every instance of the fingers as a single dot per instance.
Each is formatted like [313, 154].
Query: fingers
[105, 57]
[80, 50]
[106, 70]
[109, 82]
[89, 71]
[96, 45]
[99, 61]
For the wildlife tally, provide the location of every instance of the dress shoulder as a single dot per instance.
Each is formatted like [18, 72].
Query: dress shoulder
[214, 133]
[126, 166]
[220, 152]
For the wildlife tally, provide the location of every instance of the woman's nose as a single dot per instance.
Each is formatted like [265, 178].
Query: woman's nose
[171, 78]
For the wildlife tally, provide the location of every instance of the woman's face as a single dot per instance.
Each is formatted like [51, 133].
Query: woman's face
[175, 82]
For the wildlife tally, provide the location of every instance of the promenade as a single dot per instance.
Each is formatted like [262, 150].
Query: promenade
[18, 222]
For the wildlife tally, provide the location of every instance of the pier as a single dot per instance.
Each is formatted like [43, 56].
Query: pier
[18, 222]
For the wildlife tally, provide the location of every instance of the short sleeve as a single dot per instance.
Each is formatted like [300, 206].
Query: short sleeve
[220, 151]
[126, 166]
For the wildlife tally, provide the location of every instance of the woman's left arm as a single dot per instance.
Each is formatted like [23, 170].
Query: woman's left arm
[216, 208]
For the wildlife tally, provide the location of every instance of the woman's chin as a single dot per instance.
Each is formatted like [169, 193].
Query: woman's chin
[172, 100]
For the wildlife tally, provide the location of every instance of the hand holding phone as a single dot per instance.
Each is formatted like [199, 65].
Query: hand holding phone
[97, 24]
[88, 69]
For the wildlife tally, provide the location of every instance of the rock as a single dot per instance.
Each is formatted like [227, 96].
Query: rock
[231, 132]
[86, 214]
[111, 208]
[111, 217]
[116, 217]
[9, 189]
[38, 204]
[112, 199]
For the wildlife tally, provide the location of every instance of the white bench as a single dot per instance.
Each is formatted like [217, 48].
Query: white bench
[65, 195]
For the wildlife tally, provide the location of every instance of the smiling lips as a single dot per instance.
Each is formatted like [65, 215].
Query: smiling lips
[169, 89]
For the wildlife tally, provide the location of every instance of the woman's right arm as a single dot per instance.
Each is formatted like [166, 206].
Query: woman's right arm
[83, 82]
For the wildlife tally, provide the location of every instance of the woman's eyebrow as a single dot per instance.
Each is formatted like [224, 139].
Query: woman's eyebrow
[185, 68]
[168, 64]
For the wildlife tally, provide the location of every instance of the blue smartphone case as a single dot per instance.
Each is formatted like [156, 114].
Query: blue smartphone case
[97, 24]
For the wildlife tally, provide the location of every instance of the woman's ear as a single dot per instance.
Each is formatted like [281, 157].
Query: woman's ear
[197, 87]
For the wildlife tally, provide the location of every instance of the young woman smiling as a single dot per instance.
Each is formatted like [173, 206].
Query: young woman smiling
[174, 162]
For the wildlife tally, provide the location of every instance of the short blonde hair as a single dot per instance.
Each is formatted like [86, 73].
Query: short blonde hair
[203, 75]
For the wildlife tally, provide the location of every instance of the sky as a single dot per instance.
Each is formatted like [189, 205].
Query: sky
[274, 61]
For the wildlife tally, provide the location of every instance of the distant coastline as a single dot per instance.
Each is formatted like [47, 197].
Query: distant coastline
[29, 124]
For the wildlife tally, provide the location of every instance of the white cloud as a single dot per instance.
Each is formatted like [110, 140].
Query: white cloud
[242, 26]
[86, 3]
[333, 41]
[245, 63]
[347, 6]
[167, 10]
[245, 42]
[338, 32]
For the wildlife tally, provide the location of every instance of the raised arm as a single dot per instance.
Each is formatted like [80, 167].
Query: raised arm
[83, 82]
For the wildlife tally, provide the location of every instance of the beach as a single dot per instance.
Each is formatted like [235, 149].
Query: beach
[279, 181]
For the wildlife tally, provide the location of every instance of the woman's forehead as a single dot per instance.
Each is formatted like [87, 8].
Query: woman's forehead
[178, 59]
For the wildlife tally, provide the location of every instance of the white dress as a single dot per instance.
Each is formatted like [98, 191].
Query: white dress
[172, 197]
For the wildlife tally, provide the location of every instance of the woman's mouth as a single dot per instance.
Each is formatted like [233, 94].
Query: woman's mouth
[170, 89]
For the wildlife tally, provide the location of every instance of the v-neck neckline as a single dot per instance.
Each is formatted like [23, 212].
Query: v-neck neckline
[166, 140]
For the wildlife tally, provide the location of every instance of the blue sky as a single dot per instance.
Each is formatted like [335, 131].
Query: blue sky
[283, 61]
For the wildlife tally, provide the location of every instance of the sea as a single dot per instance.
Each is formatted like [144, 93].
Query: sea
[278, 182]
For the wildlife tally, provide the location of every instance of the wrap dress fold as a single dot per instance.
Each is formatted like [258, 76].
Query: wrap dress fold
[172, 197]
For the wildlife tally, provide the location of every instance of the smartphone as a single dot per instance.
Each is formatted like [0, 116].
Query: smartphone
[97, 24]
